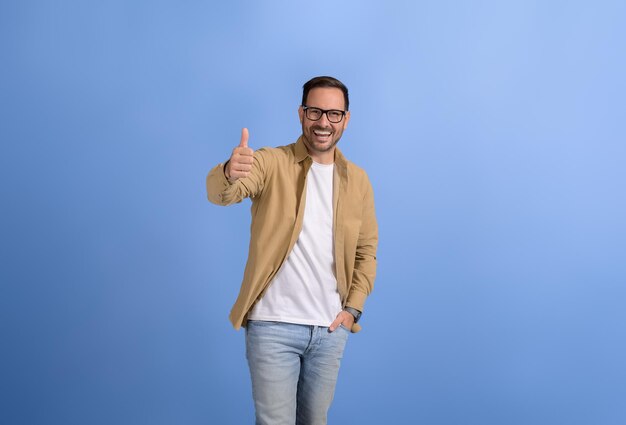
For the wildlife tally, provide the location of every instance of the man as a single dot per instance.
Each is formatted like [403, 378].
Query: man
[312, 258]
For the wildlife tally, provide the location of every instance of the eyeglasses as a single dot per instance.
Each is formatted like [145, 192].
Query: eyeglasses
[314, 114]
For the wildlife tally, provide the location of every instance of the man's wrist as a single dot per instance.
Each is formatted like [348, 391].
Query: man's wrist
[354, 312]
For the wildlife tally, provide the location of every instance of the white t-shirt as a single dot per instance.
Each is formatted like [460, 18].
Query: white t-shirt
[304, 291]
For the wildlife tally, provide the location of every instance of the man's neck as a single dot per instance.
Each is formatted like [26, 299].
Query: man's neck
[327, 157]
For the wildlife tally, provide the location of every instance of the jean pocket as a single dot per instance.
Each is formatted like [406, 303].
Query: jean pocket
[344, 328]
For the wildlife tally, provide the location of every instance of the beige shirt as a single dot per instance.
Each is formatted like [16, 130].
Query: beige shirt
[276, 186]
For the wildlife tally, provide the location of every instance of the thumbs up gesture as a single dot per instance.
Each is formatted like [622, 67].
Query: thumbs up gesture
[240, 162]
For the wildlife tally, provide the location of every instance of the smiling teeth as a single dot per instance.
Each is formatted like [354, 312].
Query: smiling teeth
[322, 133]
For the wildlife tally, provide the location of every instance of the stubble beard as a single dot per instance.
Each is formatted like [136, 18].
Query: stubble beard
[317, 147]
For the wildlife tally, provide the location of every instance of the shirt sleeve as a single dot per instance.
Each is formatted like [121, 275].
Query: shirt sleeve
[365, 257]
[221, 192]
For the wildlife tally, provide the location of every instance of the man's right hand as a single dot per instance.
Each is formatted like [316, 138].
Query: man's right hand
[240, 162]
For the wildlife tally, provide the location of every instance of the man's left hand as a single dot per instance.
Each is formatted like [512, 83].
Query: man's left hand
[343, 318]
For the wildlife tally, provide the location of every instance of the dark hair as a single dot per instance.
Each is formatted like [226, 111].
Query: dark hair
[324, 82]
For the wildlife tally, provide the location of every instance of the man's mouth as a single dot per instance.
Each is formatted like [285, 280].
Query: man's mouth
[322, 134]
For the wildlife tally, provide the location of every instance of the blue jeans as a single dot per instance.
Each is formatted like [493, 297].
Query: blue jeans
[294, 371]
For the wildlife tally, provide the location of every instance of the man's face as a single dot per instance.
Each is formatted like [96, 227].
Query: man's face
[322, 135]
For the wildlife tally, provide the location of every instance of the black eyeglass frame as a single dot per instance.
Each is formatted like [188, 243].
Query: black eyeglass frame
[324, 111]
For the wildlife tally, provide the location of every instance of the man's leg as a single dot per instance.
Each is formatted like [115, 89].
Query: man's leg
[318, 375]
[273, 351]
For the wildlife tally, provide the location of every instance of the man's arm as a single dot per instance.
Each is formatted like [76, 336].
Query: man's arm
[365, 258]
[364, 264]
[239, 177]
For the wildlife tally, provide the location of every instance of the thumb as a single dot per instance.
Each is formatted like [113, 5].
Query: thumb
[244, 138]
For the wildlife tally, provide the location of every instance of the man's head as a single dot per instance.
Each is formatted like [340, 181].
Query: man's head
[324, 116]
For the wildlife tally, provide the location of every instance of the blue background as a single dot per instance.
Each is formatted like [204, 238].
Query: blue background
[494, 135]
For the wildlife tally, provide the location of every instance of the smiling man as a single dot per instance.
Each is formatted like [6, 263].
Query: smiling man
[312, 258]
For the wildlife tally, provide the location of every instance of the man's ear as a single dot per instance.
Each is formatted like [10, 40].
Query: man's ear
[300, 113]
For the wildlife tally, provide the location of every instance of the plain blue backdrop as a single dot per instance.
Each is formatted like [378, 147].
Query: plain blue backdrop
[494, 135]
